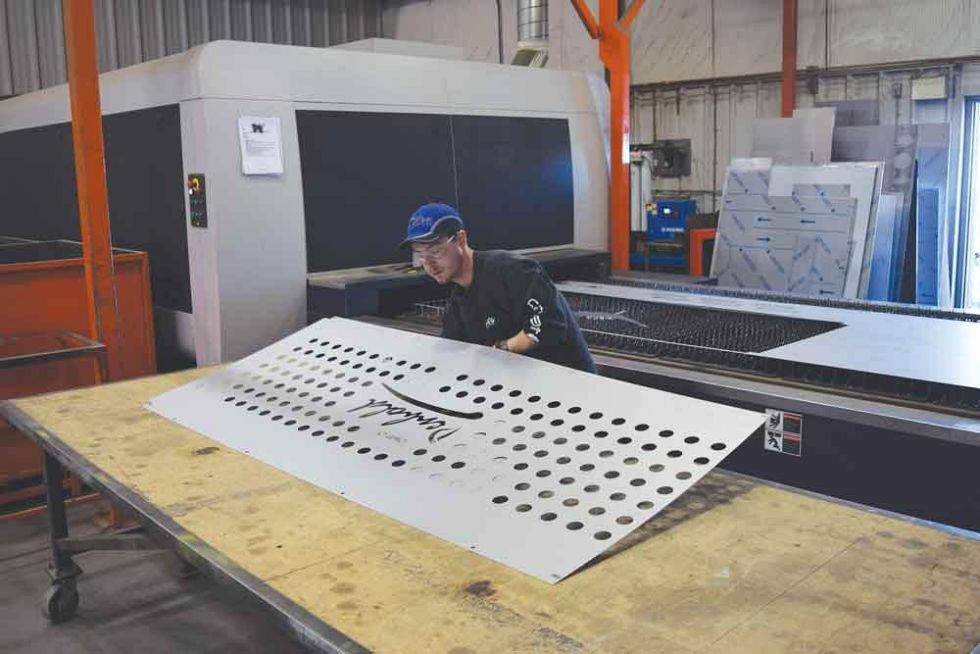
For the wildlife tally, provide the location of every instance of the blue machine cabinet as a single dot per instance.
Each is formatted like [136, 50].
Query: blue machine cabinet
[666, 226]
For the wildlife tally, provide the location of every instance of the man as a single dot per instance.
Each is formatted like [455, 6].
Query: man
[499, 298]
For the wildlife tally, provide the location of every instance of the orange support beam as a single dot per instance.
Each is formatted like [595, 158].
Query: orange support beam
[614, 51]
[787, 93]
[90, 178]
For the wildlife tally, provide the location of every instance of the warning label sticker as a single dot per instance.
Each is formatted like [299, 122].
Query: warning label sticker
[783, 432]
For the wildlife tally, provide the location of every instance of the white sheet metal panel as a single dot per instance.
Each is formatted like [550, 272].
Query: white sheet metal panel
[789, 244]
[913, 347]
[865, 182]
[530, 464]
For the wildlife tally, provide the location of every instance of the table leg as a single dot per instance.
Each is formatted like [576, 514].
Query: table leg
[61, 600]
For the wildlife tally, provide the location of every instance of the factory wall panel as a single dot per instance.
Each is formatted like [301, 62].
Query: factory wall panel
[676, 40]
[32, 44]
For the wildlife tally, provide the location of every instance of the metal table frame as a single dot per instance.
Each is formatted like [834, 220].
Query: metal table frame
[160, 532]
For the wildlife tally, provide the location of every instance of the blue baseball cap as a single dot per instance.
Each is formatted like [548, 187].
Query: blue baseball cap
[430, 221]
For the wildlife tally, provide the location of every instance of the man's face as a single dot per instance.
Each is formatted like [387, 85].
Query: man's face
[441, 259]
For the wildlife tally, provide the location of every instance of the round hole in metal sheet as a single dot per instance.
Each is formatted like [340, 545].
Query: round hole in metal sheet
[605, 454]
[457, 465]
[496, 387]
[674, 454]
[574, 409]
[657, 467]
[517, 429]
[439, 458]
[565, 481]
[665, 490]
[520, 447]
[554, 404]
[624, 520]
[536, 416]
[462, 394]
[666, 433]
[516, 411]
[561, 440]
[718, 446]
[538, 434]
[331, 439]
[596, 510]
[478, 382]
[691, 440]
[574, 525]
[534, 398]
[595, 415]
[617, 497]
[500, 499]
[462, 377]
[364, 450]
[264, 412]
[571, 501]
[601, 434]
[347, 444]
[630, 461]
[380, 457]
[416, 366]
[289, 423]
[563, 460]
[557, 422]
[545, 494]
[592, 488]
[648, 447]
[241, 403]
[500, 440]
[587, 467]
[624, 440]
[430, 369]
[582, 447]
[602, 535]
[522, 508]
[618, 421]
[522, 486]
[644, 505]
[541, 453]
[701, 460]
[397, 463]
[520, 466]
[548, 517]
[479, 399]
[684, 474]
[542, 473]
[637, 482]
[497, 405]
[514, 393]
[303, 428]
[397, 377]
[578, 428]
[318, 432]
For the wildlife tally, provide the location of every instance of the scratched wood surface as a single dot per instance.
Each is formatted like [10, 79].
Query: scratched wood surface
[732, 566]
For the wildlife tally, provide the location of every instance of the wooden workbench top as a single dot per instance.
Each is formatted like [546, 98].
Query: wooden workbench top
[732, 566]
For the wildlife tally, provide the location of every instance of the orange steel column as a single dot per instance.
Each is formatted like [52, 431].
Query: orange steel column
[90, 178]
[614, 51]
[787, 93]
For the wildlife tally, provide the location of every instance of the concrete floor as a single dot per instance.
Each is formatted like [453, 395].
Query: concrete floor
[130, 602]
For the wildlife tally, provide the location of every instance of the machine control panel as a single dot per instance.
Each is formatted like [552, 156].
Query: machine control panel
[198, 200]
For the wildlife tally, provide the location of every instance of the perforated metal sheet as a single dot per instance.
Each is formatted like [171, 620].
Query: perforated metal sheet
[530, 464]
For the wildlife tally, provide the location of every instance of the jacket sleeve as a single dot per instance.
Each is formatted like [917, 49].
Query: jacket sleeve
[452, 323]
[541, 313]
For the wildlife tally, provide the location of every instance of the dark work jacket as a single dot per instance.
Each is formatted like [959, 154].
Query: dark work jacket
[511, 293]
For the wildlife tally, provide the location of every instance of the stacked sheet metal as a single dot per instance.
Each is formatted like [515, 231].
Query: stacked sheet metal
[794, 228]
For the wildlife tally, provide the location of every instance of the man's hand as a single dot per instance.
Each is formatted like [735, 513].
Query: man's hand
[519, 343]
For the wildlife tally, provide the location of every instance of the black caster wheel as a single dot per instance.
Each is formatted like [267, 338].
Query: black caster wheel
[61, 601]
